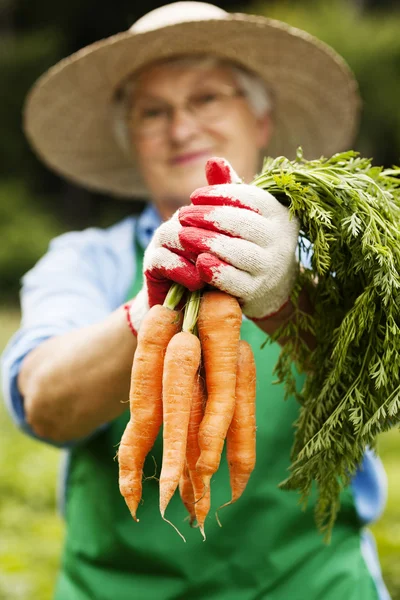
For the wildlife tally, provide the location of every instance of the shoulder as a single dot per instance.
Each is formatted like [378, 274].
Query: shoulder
[116, 238]
[94, 261]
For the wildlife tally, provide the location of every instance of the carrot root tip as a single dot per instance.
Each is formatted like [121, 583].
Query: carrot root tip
[217, 518]
[221, 507]
[172, 525]
[202, 532]
[134, 517]
[191, 520]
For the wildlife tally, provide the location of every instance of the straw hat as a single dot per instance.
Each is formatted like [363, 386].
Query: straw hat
[68, 117]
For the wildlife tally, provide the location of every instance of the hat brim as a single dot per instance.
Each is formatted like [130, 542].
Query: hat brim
[68, 119]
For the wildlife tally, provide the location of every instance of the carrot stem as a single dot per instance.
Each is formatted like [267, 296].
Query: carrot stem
[191, 312]
[174, 296]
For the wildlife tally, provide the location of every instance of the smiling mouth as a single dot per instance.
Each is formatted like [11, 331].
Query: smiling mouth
[189, 157]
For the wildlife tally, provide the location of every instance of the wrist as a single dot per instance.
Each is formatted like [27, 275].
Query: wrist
[127, 309]
[135, 311]
[271, 322]
[289, 312]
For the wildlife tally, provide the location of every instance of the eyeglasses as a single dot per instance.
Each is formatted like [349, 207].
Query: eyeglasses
[153, 117]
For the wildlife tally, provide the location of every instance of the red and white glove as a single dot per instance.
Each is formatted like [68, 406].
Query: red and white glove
[244, 239]
[165, 261]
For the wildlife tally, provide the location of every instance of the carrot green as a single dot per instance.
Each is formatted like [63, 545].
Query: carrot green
[349, 213]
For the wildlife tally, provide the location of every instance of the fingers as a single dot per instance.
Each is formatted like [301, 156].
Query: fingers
[240, 253]
[219, 170]
[167, 236]
[230, 220]
[240, 195]
[225, 277]
[164, 265]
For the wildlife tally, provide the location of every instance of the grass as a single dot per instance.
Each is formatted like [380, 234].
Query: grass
[32, 530]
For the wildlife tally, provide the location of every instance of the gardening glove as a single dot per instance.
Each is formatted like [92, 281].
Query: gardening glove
[244, 239]
[165, 261]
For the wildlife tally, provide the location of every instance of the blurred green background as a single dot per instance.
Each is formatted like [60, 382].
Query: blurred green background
[35, 205]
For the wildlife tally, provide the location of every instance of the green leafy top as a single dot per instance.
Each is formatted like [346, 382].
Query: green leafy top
[349, 213]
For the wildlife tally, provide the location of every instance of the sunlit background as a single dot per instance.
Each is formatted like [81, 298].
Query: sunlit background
[35, 205]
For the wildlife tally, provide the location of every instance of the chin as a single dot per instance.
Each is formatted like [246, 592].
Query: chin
[186, 185]
[182, 198]
[195, 180]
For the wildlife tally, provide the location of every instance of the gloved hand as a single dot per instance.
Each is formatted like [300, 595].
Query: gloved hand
[165, 261]
[244, 239]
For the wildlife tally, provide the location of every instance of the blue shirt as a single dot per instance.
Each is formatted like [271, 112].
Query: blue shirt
[82, 278]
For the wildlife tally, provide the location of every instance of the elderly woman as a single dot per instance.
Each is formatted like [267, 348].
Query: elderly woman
[140, 114]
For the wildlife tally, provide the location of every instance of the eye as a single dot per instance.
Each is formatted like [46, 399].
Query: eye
[206, 98]
[152, 113]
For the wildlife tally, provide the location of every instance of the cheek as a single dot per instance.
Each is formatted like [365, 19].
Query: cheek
[241, 137]
[248, 131]
[238, 131]
[149, 155]
[240, 146]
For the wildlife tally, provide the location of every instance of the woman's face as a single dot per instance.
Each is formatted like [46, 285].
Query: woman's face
[180, 117]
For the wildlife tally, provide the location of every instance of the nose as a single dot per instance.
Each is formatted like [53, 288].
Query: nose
[182, 126]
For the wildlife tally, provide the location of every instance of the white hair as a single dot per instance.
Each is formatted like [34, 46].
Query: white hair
[252, 86]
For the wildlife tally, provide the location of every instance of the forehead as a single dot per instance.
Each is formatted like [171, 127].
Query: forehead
[175, 78]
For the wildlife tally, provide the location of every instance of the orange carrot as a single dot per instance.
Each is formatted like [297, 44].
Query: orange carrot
[241, 436]
[187, 494]
[181, 364]
[157, 329]
[219, 322]
[201, 493]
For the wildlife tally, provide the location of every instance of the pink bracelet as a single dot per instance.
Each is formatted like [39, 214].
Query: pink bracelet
[127, 308]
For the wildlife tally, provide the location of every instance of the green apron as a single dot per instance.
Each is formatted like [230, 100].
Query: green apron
[267, 547]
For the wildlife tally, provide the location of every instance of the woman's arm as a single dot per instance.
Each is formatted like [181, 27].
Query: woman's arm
[77, 381]
[73, 337]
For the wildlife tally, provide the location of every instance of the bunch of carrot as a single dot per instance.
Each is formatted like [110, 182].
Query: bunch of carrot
[193, 374]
